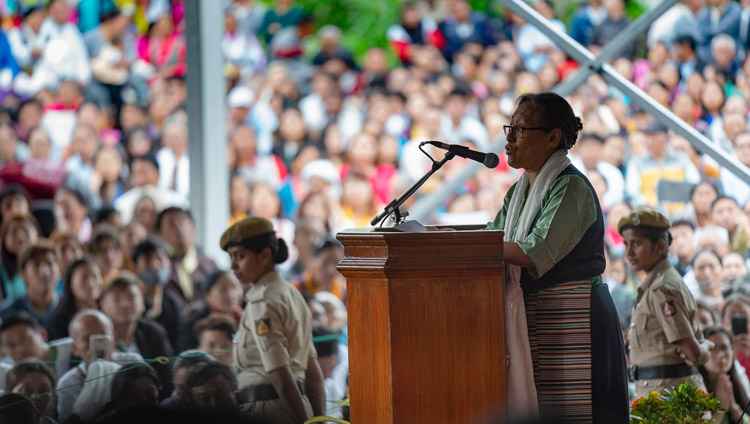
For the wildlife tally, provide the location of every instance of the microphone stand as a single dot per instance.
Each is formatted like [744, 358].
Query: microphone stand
[392, 207]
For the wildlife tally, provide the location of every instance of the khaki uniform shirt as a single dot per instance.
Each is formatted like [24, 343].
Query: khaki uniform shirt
[665, 312]
[275, 331]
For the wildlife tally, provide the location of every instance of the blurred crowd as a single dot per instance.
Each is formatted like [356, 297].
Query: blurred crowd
[97, 237]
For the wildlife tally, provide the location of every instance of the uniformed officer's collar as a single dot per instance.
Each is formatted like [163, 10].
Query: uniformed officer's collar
[258, 286]
[658, 269]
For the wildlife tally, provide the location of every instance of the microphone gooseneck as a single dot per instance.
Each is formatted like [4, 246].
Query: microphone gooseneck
[490, 160]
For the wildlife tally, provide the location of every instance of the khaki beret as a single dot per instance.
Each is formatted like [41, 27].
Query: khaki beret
[244, 229]
[643, 218]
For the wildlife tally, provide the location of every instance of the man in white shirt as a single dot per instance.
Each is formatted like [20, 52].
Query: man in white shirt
[85, 324]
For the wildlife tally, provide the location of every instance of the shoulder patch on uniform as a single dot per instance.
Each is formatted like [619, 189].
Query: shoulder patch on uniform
[262, 327]
[668, 308]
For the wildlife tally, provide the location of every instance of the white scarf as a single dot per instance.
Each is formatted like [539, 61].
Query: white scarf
[551, 169]
[522, 396]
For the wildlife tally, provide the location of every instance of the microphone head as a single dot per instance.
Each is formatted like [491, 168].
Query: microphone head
[491, 160]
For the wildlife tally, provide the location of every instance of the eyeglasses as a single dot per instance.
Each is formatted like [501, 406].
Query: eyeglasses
[518, 130]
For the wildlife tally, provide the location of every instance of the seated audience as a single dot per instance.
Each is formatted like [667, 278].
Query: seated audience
[151, 263]
[81, 288]
[215, 335]
[122, 302]
[36, 382]
[723, 378]
[222, 294]
[40, 271]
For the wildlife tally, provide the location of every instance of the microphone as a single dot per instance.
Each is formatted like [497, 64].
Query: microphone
[490, 160]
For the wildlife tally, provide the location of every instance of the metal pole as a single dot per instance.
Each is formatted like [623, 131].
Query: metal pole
[614, 47]
[582, 55]
[209, 175]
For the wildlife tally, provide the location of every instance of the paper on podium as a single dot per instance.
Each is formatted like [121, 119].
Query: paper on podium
[410, 227]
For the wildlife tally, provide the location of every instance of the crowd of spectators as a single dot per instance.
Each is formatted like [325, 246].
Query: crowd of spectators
[97, 238]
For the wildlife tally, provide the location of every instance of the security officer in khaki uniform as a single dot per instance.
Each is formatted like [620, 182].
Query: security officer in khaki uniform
[665, 338]
[278, 372]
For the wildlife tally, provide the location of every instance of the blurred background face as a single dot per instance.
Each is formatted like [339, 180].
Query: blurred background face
[720, 361]
[34, 384]
[682, 242]
[265, 202]
[702, 197]
[707, 268]
[19, 234]
[225, 295]
[108, 163]
[734, 266]
[178, 230]
[123, 306]
[39, 144]
[86, 284]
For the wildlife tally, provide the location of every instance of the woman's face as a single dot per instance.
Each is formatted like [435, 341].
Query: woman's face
[145, 213]
[291, 126]
[707, 268]
[139, 144]
[265, 202]
[20, 233]
[68, 250]
[108, 163]
[703, 196]
[39, 144]
[225, 295]
[239, 194]
[722, 357]
[35, 384]
[315, 206]
[86, 284]
[363, 151]
[734, 266]
[532, 150]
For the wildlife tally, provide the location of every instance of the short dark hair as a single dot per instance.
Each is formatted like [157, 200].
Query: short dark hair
[720, 198]
[20, 318]
[104, 213]
[717, 329]
[702, 251]
[326, 242]
[172, 209]
[79, 196]
[205, 371]
[35, 250]
[103, 233]
[122, 383]
[685, 39]
[13, 190]
[191, 358]
[552, 111]
[148, 246]
[148, 157]
[20, 370]
[215, 322]
[123, 280]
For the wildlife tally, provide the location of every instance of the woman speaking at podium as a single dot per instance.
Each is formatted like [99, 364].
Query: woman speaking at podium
[554, 251]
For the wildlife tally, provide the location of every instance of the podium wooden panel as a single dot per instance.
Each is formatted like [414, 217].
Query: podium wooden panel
[426, 335]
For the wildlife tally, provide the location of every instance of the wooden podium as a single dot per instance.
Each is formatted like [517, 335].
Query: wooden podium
[426, 335]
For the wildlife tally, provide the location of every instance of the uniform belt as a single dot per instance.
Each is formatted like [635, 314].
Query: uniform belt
[661, 371]
[263, 392]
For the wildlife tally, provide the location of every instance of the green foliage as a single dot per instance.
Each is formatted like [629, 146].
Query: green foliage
[684, 405]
